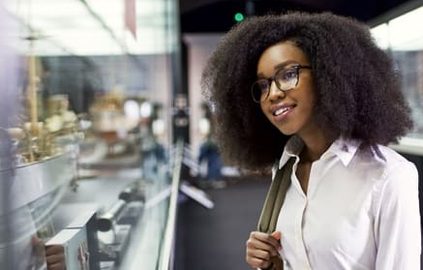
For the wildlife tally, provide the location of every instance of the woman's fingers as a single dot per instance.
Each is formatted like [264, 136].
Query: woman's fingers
[259, 263]
[260, 254]
[54, 249]
[56, 266]
[254, 244]
[55, 257]
[267, 238]
[261, 247]
[277, 235]
[52, 259]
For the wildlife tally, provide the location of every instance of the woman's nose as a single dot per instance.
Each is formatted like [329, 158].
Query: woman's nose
[275, 92]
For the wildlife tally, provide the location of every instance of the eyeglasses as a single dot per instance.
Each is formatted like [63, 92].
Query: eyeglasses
[285, 79]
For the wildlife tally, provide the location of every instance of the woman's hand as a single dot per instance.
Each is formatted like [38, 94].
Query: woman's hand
[261, 247]
[38, 252]
[55, 257]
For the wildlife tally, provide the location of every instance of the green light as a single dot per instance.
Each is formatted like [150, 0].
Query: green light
[239, 17]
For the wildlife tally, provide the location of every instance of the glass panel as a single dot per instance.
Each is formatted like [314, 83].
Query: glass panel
[402, 37]
[85, 128]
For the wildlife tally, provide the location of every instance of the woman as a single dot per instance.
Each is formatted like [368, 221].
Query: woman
[315, 87]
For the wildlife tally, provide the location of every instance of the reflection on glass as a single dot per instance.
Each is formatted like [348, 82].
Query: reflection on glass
[72, 130]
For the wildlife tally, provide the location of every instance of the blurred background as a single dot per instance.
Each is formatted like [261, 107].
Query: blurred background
[107, 154]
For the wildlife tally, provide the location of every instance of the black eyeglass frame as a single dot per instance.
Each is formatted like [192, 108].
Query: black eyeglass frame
[272, 79]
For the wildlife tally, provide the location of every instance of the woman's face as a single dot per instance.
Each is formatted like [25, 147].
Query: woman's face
[290, 111]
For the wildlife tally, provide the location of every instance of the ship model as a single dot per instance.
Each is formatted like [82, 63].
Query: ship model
[42, 167]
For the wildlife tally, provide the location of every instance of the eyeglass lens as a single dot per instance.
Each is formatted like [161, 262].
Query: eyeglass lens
[285, 80]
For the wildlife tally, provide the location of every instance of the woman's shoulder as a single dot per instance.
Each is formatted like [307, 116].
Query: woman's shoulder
[398, 185]
[397, 171]
[380, 163]
[390, 157]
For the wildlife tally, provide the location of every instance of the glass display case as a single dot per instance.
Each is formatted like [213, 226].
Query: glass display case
[86, 168]
[399, 33]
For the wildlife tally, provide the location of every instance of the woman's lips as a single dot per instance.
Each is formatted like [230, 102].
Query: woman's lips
[282, 112]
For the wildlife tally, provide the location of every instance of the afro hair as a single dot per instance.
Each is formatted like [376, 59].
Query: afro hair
[357, 89]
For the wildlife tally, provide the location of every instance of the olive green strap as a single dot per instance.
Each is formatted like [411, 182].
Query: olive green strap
[275, 198]
[273, 204]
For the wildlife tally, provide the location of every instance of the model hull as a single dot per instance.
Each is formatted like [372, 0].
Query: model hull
[38, 180]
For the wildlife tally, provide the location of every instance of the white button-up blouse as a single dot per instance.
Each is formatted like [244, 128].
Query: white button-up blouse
[361, 211]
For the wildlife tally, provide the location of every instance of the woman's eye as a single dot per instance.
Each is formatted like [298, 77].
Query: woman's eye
[288, 75]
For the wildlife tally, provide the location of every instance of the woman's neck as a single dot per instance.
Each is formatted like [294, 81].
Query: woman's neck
[314, 146]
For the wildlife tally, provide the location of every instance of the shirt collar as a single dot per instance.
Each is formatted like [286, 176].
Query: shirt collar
[293, 147]
[342, 148]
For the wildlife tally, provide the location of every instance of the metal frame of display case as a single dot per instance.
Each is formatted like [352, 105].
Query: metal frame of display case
[153, 240]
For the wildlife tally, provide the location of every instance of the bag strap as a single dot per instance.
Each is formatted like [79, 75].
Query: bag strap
[273, 204]
[275, 198]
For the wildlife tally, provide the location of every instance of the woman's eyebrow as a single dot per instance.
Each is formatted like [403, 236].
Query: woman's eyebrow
[284, 64]
[278, 67]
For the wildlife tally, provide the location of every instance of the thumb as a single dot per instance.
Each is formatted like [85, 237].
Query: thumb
[277, 235]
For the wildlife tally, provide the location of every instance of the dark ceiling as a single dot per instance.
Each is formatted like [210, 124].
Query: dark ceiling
[199, 16]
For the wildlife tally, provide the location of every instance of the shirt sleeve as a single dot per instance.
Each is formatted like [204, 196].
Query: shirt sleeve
[397, 220]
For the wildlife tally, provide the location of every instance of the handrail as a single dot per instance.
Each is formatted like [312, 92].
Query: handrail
[168, 239]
